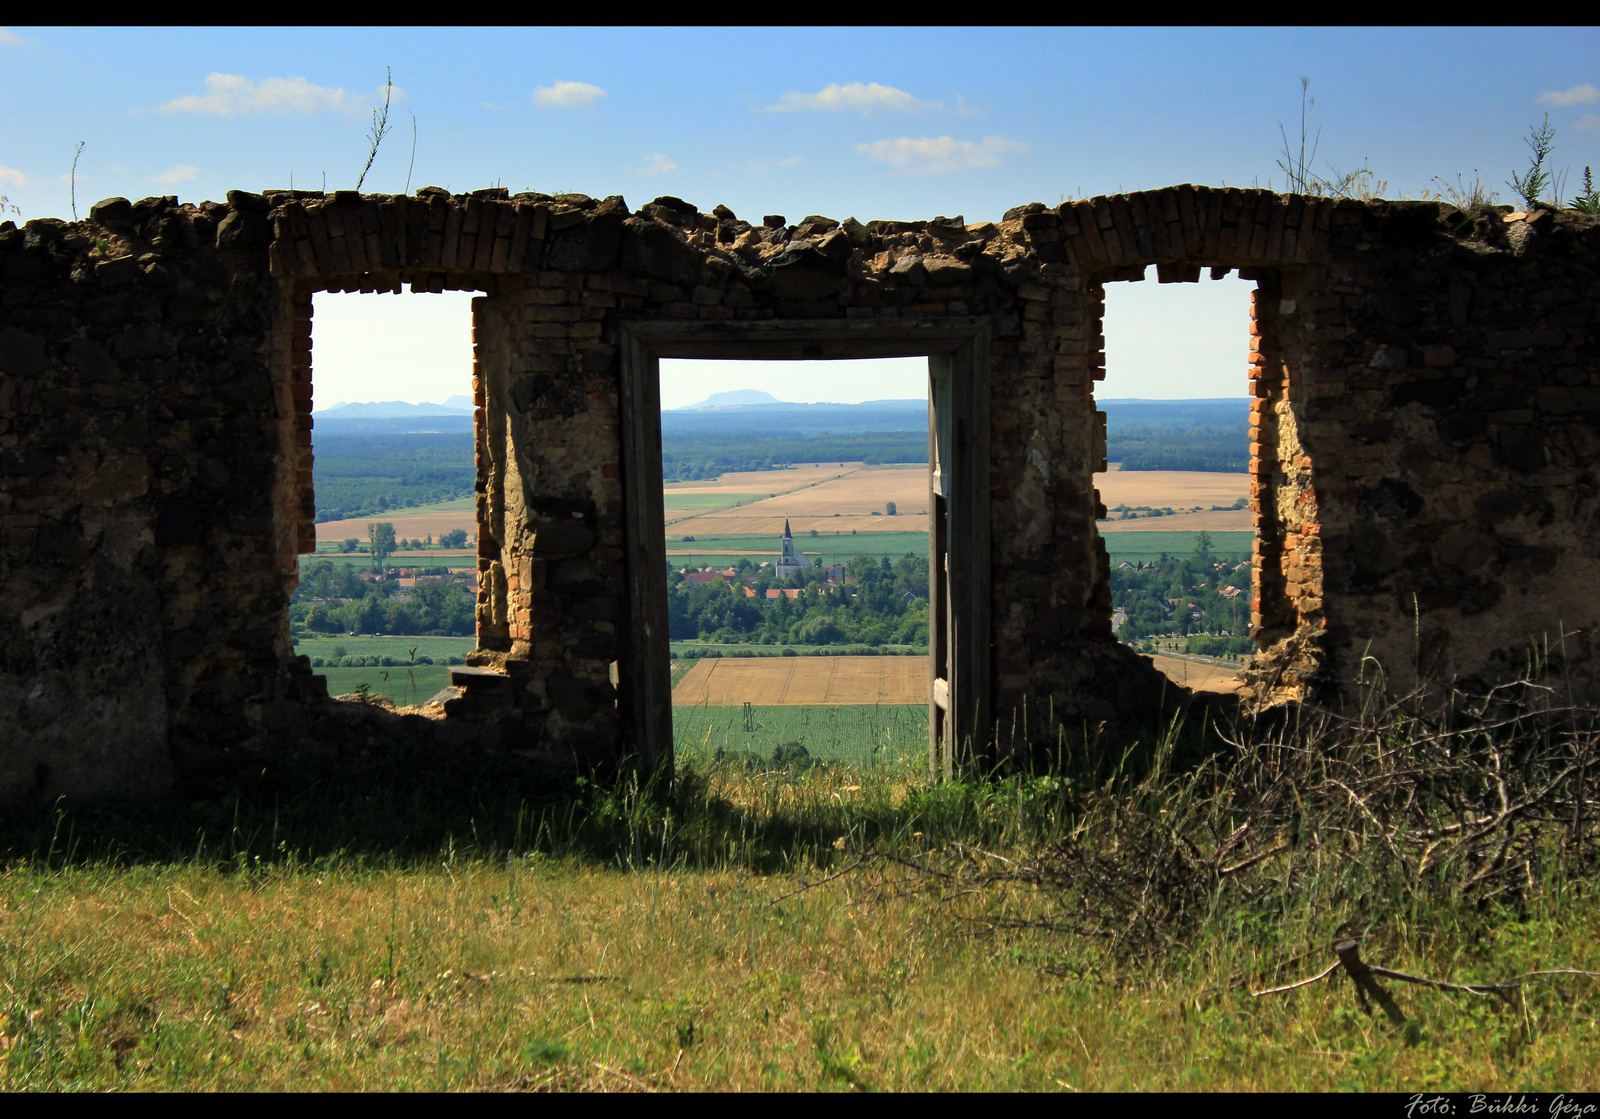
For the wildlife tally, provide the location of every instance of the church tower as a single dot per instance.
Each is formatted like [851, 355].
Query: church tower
[789, 561]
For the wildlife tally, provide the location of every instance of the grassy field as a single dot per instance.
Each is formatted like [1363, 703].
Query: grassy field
[890, 734]
[405, 684]
[1142, 547]
[778, 926]
[397, 647]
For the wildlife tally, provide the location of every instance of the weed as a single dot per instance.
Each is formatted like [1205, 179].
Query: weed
[1535, 182]
[1587, 201]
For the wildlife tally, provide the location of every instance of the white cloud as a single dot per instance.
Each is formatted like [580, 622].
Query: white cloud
[1589, 122]
[567, 95]
[9, 38]
[656, 164]
[935, 155]
[765, 166]
[1584, 94]
[852, 97]
[231, 94]
[10, 176]
[181, 173]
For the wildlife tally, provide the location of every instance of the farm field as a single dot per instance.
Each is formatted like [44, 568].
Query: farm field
[397, 647]
[1143, 547]
[417, 522]
[856, 735]
[405, 684]
[792, 681]
[1197, 675]
[1177, 488]
[768, 481]
[843, 496]
[1212, 521]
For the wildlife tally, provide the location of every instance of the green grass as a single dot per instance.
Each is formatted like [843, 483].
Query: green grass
[441, 921]
[405, 685]
[711, 500]
[399, 647]
[854, 735]
[1143, 547]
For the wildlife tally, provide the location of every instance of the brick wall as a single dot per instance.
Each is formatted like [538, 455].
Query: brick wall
[1425, 390]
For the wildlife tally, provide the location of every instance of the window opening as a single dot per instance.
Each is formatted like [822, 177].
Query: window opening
[387, 601]
[1178, 528]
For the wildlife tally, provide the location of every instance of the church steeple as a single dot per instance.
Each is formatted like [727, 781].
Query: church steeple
[787, 535]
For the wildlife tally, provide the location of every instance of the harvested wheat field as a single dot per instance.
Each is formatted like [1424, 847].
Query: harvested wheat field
[1180, 489]
[767, 481]
[407, 526]
[1196, 675]
[832, 499]
[1220, 520]
[809, 681]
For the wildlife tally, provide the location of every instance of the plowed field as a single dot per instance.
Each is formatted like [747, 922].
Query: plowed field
[803, 681]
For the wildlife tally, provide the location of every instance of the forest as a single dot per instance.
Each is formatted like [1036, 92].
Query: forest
[705, 456]
[1215, 449]
[365, 475]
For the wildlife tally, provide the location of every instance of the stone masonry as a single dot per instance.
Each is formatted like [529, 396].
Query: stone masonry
[1425, 429]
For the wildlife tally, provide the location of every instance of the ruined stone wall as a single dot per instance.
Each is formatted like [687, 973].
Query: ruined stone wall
[1424, 425]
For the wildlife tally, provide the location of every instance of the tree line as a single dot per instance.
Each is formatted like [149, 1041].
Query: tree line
[694, 457]
[1221, 449]
[443, 607]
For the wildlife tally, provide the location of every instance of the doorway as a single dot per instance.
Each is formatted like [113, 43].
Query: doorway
[957, 349]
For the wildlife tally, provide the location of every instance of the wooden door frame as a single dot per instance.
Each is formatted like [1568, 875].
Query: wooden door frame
[644, 679]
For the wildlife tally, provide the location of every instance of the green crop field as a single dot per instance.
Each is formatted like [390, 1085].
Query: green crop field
[856, 735]
[1142, 547]
[404, 685]
[711, 500]
[397, 647]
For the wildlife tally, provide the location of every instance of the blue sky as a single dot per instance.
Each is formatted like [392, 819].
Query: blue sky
[864, 122]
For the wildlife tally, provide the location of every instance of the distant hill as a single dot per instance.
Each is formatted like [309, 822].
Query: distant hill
[735, 398]
[393, 409]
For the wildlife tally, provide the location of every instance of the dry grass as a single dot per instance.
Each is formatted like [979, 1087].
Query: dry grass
[804, 681]
[1096, 928]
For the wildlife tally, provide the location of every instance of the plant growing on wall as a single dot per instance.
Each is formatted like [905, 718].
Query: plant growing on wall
[1536, 181]
[1296, 165]
[380, 128]
[1588, 201]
